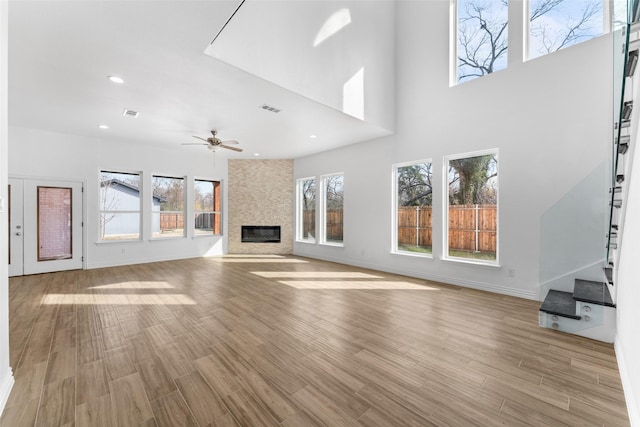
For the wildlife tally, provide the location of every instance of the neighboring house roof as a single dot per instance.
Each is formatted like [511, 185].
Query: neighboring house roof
[114, 183]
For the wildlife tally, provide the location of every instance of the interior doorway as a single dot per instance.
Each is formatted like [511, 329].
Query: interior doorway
[45, 226]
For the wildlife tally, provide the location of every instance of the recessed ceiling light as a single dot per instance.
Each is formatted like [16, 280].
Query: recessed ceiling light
[116, 79]
[103, 126]
[256, 154]
[313, 136]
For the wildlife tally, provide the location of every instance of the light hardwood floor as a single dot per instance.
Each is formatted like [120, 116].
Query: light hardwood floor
[268, 341]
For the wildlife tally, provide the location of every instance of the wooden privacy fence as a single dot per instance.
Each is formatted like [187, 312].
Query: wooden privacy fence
[414, 226]
[334, 224]
[471, 227]
[171, 221]
[308, 223]
[203, 220]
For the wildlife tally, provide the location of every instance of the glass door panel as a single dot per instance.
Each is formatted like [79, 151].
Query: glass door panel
[54, 223]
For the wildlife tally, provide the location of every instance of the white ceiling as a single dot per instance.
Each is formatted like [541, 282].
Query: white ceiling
[61, 52]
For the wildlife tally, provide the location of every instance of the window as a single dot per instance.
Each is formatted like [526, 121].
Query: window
[167, 207]
[119, 206]
[481, 38]
[413, 201]
[554, 25]
[306, 192]
[472, 207]
[207, 211]
[332, 213]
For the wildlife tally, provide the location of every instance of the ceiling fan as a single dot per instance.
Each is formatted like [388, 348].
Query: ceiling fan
[214, 142]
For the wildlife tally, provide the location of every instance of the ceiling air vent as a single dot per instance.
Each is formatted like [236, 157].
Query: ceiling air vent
[269, 108]
[130, 113]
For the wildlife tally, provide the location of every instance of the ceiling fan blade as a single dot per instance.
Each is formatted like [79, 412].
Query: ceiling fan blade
[230, 148]
[231, 141]
[202, 139]
[193, 143]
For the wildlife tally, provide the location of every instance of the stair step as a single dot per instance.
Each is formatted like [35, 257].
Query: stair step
[560, 303]
[592, 292]
[608, 273]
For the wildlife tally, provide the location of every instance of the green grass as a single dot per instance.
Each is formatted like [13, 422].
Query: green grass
[483, 256]
[418, 249]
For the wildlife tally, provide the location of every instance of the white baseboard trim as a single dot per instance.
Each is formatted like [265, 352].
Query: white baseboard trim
[5, 389]
[632, 409]
[145, 260]
[488, 287]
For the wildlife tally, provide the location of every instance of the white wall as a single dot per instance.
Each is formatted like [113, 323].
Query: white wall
[628, 284]
[36, 153]
[549, 118]
[351, 71]
[6, 378]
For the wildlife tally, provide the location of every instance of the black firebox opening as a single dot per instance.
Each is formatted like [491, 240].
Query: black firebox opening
[261, 233]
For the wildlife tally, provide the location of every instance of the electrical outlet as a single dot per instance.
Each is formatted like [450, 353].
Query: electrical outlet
[511, 272]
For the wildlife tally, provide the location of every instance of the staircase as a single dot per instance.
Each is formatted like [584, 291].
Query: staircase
[589, 309]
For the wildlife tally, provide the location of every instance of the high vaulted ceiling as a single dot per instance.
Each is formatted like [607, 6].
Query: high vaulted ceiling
[61, 52]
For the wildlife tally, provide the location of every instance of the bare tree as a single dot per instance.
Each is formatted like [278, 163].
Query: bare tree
[334, 193]
[579, 25]
[171, 190]
[482, 37]
[309, 194]
[109, 202]
[482, 31]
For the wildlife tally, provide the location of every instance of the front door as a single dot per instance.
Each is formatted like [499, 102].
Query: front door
[45, 226]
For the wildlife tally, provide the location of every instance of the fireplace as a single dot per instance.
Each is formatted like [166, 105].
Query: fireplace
[261, 234]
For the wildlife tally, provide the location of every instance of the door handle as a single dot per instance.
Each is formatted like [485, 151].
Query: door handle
[18, 233]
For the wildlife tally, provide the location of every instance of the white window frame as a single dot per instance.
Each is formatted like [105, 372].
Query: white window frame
[190, 208]
[394, 210]
[184, 206]
[526, 27]
[140, 210]
[445, 208]
[323, 210]
[300, 211]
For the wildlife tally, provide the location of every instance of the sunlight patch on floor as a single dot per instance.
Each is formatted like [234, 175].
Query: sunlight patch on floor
[134, 285]
[316, 274]
[356, 284]
[120, 299]
[261, 260]
[252, 256]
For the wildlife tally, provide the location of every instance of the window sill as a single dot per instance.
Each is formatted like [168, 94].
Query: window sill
[335, 245]
[308, 242]
[200, 236]
[495, 265]
[115, 242]
[162, 239]
[413, 254]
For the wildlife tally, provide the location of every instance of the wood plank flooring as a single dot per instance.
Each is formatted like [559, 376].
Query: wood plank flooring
[287, 341]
